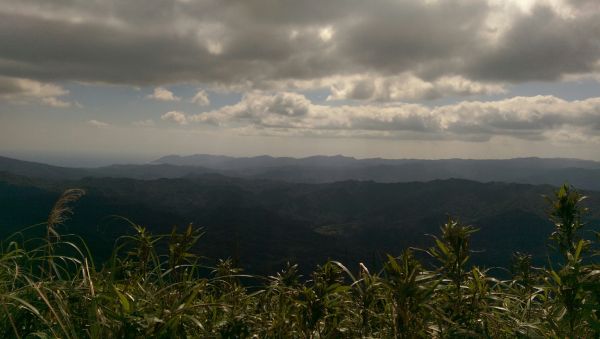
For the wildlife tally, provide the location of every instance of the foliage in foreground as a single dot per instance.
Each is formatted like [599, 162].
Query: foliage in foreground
[153, 286]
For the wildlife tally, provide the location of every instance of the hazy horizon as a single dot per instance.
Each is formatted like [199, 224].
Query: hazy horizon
[99, 160]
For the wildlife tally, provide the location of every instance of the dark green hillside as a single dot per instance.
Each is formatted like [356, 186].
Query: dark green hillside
[261, 224]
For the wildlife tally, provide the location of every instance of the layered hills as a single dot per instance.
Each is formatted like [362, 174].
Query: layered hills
[262, 223]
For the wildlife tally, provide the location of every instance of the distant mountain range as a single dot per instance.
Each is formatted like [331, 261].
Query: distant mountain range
[322, 169]
[263, 223]
[147, 171]
[582, 174]
[265, 161]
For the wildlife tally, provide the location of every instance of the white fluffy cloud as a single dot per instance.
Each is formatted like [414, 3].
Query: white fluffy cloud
[98, 124]
[163, 94]
[533, 118]
[55, 102]
[144, 123]
[259, 109]
[19, 90]
[406, 87]
[176, 117]
[201, 98]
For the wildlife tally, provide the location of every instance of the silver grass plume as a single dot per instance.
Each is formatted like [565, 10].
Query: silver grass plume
[62, 209]
[59, 214]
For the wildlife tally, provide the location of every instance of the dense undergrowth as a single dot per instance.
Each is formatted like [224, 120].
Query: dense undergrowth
[153, 286]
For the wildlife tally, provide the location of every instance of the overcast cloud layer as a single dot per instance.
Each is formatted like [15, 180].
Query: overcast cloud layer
[378, 62]
[257, 42]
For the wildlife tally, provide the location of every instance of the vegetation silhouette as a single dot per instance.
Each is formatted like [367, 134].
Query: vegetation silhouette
[156, 286]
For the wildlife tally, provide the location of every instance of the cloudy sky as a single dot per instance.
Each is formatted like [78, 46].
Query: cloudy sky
[136, 79]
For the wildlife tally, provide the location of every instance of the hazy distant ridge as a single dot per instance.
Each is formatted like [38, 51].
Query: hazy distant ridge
[227, 162]
[323, 169]
[583, 174]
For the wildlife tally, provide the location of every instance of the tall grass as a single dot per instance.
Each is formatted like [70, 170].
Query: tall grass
[155, 286]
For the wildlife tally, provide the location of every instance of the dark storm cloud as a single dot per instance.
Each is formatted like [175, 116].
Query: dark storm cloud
[158, 43]
[396, 37]
[50, 49]
[250, 42]
[541, 46]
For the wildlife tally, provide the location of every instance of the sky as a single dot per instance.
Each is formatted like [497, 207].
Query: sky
[98, 81]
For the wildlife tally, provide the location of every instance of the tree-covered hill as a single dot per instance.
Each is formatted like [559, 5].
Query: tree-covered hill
[262, 223]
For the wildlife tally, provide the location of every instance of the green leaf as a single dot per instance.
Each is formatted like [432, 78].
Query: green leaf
[556, 277]
[125, 305]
